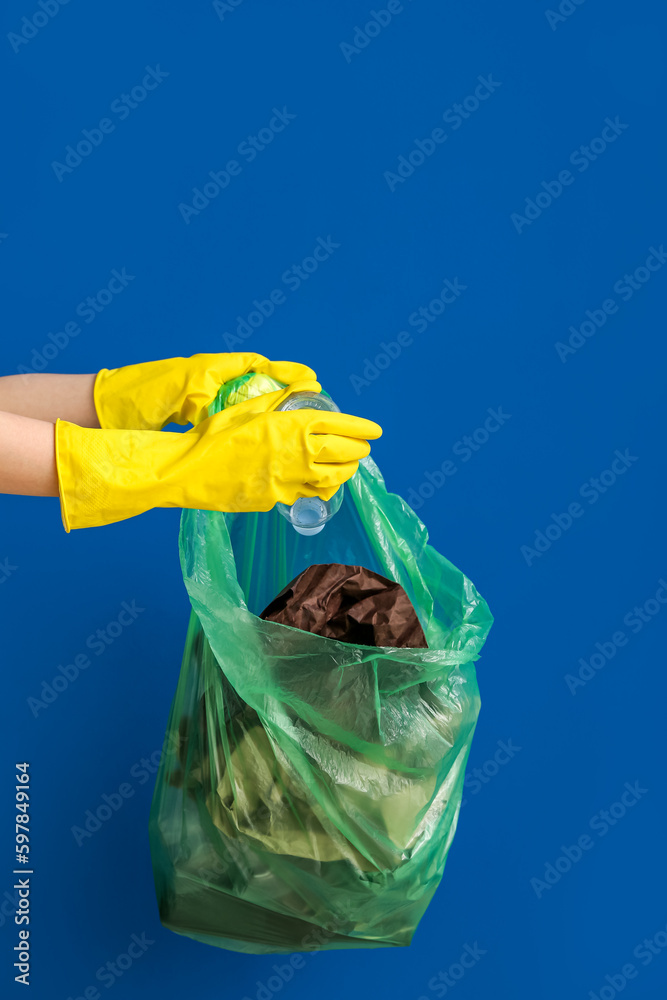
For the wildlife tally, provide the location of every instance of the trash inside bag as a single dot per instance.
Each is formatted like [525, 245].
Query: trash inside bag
[310, 784]
[349, 603]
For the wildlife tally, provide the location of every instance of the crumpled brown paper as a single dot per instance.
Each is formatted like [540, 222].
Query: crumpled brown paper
[348, 603]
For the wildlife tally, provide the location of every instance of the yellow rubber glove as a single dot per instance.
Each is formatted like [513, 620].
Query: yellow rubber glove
[177, 390]
[245, 458]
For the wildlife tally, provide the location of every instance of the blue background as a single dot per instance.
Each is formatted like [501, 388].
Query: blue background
[324, 176]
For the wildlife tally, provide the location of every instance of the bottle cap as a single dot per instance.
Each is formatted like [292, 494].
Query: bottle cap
[308, 515]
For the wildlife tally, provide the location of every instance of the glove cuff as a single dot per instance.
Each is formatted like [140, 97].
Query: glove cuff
[61, 471]
[106, 476]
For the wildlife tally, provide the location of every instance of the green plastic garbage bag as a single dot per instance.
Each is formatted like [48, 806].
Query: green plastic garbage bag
[309, 788]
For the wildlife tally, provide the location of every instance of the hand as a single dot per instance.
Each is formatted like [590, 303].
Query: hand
[246, 458]
[147, 396]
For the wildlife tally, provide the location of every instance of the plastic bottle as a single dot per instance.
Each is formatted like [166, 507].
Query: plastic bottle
[308, 515]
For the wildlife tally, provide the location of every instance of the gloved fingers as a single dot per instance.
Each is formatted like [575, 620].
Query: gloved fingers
[240, 413]
[286, 371]
[222, 367]
[302, 385]
[229, 366]
[324, 422]
[326, 494]
[205, 373]
[331, 477]
[270, 400]
[291, 492]
[334, 448]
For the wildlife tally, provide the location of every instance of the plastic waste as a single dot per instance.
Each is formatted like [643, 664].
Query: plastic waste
[308, 515]
[309, 788]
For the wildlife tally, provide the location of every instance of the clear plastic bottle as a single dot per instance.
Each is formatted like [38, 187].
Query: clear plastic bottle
[308, 515]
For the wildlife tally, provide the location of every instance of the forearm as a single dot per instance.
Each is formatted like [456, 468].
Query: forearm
[27, 456]
[47, 397]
